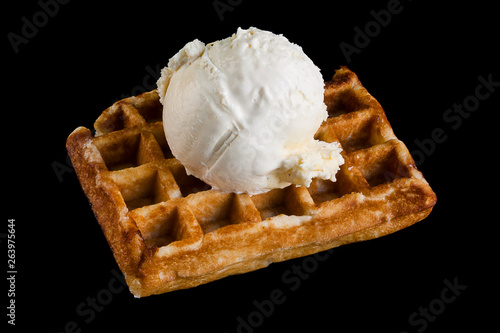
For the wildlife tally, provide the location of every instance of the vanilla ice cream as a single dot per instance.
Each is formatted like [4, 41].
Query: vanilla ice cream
[241, 113]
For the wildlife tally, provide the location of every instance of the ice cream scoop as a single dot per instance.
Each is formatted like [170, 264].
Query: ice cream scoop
[241, 113]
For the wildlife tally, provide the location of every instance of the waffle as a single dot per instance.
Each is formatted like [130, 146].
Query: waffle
[170, 231]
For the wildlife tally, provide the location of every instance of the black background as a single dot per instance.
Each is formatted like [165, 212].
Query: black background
[90, 54]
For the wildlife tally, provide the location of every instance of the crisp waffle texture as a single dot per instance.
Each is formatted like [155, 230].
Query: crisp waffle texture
[170, 231]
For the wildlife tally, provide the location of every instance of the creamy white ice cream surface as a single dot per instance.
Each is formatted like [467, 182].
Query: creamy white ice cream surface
[241, 113]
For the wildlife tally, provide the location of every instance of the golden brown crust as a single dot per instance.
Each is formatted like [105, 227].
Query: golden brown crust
[169, 231]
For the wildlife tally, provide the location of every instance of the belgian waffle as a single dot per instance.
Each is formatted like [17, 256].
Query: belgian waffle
[170, 231]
